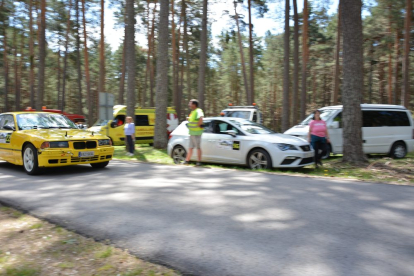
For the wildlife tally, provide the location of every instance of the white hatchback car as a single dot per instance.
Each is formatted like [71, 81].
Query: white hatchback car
[242, 142]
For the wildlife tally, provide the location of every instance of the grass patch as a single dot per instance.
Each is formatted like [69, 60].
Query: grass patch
[57, 251]
[144, 153]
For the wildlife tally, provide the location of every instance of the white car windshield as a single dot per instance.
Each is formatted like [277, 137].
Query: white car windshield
[43, 120]
[101, 123]
[237, 114]
[325, 114]
[252, 128]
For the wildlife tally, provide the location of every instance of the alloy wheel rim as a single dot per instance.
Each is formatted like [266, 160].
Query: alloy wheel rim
[179, 155]
[399, 151]
[28, 159]
[258, 161]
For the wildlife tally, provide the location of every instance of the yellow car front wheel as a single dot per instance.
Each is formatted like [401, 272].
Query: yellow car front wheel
[30, 161]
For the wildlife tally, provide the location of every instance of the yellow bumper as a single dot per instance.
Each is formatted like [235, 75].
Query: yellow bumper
[66, 157]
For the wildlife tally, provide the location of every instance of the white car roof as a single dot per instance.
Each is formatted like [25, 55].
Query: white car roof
[369, 106]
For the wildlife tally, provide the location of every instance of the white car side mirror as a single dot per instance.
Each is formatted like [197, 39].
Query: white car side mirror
[230, 132]
[334, 125]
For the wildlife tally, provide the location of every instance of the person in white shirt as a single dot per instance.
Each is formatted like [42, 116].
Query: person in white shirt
[129, 131]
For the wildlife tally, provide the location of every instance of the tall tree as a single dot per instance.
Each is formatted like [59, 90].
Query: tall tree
[250, 98]
[305, 55]
[78, 62]
[203, 57]
[31, 56]
[396, 74]
[42, 56]
[130, 56]
[65, 60]
[405, 95]
[353, 81]
[160, 135]
[87, 72]
[286, 71]
[296, 64]
[102, 50]
[243, 63]
[335, 92]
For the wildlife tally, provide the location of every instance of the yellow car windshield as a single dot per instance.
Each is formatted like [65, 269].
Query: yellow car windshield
[43, 120]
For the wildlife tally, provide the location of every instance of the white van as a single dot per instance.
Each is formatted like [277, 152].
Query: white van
[387, 129]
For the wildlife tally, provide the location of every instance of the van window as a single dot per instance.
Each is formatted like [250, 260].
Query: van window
[141, 120]
[208, 127]
[119, 120]
[255, 116]
[326, 113]
[385, 118]
[338, 118]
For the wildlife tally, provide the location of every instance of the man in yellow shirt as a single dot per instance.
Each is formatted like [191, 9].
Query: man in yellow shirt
[195, 122]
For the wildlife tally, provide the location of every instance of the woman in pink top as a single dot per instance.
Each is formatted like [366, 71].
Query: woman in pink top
[318, 136]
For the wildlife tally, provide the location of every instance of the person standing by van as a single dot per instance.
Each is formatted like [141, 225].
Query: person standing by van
[129, 131]
[195, 122]
[318, 136]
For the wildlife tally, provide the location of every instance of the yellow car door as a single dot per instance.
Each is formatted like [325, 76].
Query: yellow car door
[7, 127]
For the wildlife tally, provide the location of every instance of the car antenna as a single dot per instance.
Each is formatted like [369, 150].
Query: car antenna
[66, 135]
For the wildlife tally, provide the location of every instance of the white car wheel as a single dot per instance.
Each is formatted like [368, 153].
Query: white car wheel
[179, 154]
[259, 159]
[30, 162]
[398, 150]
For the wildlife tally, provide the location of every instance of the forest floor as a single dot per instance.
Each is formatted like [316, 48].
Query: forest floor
[33, 247]
[380, 168]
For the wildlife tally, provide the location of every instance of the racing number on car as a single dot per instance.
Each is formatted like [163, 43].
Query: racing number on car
[236, 145]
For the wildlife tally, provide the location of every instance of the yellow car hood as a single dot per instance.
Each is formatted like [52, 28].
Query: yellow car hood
[64, 134]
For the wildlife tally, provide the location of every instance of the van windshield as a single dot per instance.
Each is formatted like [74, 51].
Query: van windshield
[325, 114]
[101, 123]
[237, 114]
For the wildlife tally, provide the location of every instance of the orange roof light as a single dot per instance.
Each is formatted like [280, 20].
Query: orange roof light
[222, 114]
[43, 107]
[254, 104]
[29, 108]
[230, 104]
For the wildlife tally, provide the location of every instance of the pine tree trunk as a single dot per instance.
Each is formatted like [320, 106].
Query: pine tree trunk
[42, 56]
[250, 99]
[187, 53]
[86, 58]
[78, 63]
[389, 59]
[296, 65]
[102, 51]
[152, 65]
[203, 57]
[381, 82]
[174, 56]
[405, 93]
[147, 67]
[160, 132]
[286, 81]
[31, 56]
[130, 57]
[239, 38]
[304, 59]
[58, 84]
[121, 93]
[6, 67]
[353, 82]
[16, 73]
[395, 96]
[335, 92]
[65, 60]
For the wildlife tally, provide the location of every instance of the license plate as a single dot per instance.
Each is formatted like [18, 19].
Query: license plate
[308, 154]
[86, 154]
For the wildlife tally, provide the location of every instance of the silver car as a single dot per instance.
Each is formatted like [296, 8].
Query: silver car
[242, 142]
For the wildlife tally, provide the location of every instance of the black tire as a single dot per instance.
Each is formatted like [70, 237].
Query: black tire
[30, 160]
[398, 150]
[328, 151]
[100, 165]
[259, 159]
[178, 154]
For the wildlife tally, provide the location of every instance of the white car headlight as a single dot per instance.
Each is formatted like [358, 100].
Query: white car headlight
[285, 147]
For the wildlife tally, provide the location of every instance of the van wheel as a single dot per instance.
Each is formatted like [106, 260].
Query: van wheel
[259, 159]
[398, 150]
[328, 151]
[100, 165]
[30, 161]
[179, 154]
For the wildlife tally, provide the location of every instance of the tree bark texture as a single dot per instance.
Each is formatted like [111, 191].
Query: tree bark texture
[86, 58]
[305, 54]
[286, 63]
[65, 60]
[102, 51]
[296, 65]
[395, 91]
[335, 92]
[78, 62]
[405, 93]
[160, 130]
[250, 99]
[31, 57]
[203, 57]
[353, 81]
[42, 56]
[130, 57]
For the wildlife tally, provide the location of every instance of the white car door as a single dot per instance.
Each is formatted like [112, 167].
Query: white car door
[336, 133]
[221, 147]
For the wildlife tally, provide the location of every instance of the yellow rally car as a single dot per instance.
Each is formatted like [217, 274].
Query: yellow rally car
[42, 139]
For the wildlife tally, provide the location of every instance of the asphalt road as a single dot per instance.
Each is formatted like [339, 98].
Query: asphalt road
[223, 222]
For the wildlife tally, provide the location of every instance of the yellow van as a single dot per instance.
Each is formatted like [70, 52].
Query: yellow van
[144, 125]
